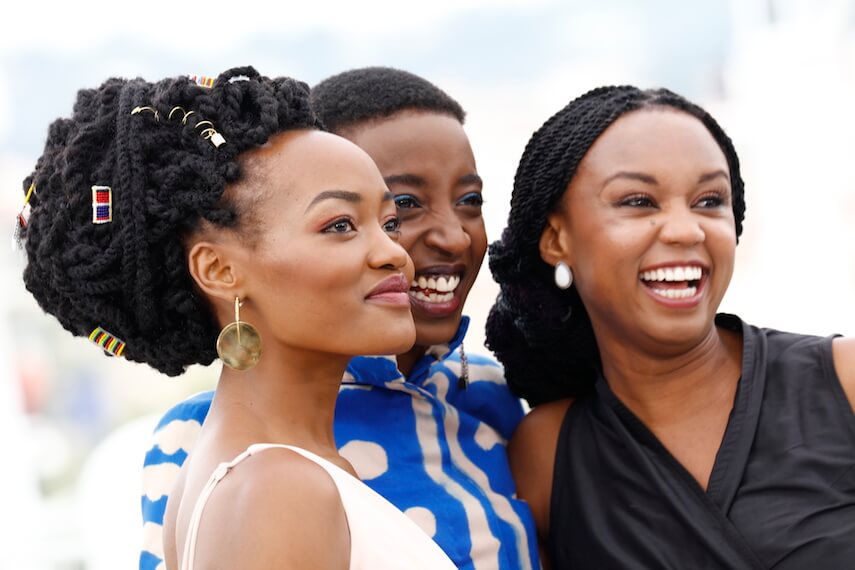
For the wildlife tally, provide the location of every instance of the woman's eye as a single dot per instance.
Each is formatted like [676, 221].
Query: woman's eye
[637, 201]
[472, 199]
[710, 201]
[392, 225]
[406, 202]
[340, 226]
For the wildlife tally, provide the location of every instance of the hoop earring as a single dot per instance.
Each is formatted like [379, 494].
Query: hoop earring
[563, 275]
[239, 344]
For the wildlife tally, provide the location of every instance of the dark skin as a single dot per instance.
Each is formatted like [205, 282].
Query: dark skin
[426, 156]
[427, 163]
[653, 191]
[325, 241]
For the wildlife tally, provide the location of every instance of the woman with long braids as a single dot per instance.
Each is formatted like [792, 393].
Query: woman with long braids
[177, 221]
[663, 435]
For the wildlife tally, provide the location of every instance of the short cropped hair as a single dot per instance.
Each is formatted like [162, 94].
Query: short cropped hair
[371, 93]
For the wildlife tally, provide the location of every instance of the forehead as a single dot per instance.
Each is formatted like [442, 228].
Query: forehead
[658, 138]
[299, 164]
[412, 138]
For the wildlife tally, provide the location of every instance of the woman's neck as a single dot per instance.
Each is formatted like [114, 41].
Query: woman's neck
[407, 361]
[663, 389]
[289, 397]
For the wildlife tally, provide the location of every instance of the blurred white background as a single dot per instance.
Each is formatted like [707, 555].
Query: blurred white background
[779, 75]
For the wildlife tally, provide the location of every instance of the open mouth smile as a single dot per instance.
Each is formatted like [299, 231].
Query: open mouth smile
[674, 283]
[434, 288]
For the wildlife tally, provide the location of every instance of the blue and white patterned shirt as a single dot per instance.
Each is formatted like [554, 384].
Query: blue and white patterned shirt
[433, 448]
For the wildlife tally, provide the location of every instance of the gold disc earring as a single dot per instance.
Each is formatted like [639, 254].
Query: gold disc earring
[239, 344]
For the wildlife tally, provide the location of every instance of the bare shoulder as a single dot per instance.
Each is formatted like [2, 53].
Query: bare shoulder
[531, 453]
[276, 509]
[542, 420]
[843, 351]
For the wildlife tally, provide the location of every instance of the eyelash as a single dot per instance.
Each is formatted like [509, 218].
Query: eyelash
[390, 226]
[401, 198]
[719, 196]
[464, 201]
[331, 227]
[393, 230]
[634, 201]
[409, 202]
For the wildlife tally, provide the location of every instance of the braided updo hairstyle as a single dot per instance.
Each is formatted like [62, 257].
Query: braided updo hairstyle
[543, 334]
[130, 276]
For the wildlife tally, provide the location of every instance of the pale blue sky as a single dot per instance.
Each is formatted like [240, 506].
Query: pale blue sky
[666, 42]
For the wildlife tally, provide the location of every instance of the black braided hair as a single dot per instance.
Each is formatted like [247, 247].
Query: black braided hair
[130, 276]
[543, 334]
[370, 93]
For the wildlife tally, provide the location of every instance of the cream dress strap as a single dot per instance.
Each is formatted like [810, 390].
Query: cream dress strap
[381, 536]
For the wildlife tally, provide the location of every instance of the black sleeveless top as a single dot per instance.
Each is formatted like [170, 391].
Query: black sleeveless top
[782, 489]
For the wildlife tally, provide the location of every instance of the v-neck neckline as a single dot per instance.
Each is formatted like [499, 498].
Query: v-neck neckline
[735, 446]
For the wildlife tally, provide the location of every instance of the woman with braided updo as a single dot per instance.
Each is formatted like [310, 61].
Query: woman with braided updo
[663, 435]
[177, 221]
[438, 449]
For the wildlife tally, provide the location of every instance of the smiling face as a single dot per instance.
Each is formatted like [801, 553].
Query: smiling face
[324, 272]
[426, 161]
[647, 227]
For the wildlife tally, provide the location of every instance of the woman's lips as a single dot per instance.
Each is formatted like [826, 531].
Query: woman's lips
[391, 291]
[433, 308]
[676, 285]
[436, 293]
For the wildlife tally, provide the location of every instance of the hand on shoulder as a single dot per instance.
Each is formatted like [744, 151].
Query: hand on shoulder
[843, 351]
[247, 524]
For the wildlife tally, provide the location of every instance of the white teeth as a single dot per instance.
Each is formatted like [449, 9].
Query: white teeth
[686, 273]
[440, 284]
[676, 293]
[433, 297]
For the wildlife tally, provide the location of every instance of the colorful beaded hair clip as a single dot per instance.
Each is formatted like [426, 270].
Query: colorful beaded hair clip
[202, 81]
[107, 341]
[102, 204]
[23, 218]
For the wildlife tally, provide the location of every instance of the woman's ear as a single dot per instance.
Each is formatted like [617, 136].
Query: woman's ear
[211, 268]
[555, 243]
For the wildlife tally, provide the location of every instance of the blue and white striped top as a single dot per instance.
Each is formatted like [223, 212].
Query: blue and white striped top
[434, 449]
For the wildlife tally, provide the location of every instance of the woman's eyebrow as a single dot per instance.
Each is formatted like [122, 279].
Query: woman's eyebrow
[629, 175]
[405, 179]
[713, 175]
[470, 180]
[345, 195]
